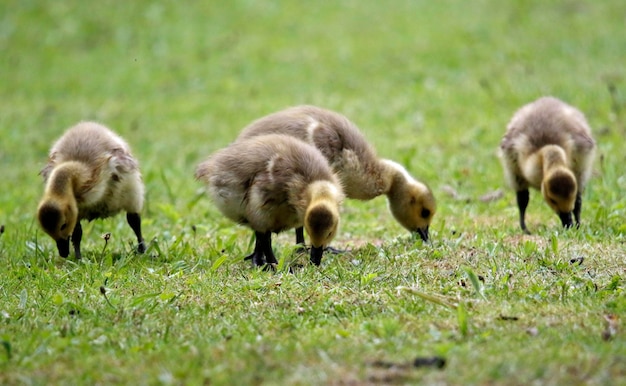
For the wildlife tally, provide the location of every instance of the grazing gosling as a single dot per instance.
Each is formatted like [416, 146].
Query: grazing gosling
[272, 183]
[363, 175]
[90, 174]
[548, 146]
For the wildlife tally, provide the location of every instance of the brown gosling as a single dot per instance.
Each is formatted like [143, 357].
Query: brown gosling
[273, 183]
[90, 174]
[548, 146]
[363, 175]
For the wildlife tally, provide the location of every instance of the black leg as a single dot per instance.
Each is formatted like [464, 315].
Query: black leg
[522, 203]
[301, 246]
[577, 207]
[258, 256]
[77, 236]
[134, 220]
[300, 236]
[267, 249]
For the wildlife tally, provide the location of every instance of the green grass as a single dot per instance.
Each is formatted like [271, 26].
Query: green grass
[431, 83]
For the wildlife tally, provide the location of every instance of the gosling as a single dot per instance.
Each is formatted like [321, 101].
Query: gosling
[273, 183]
[363, 175]
[548, 146]
[90, 174]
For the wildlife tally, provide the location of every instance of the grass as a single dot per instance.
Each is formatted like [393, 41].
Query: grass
[432, 85]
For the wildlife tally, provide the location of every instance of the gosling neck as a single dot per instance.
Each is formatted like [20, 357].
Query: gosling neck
[322, 190]
[552, 157]
[395, 178]
[66, 178]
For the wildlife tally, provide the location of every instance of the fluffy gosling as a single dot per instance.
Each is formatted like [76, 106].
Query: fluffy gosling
[548, 146]
[90, 174]
[363, 175]
[273, 183]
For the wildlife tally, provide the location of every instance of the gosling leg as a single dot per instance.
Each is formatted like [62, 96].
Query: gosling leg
[300, 236]
[263, 253]
[257, 256]
[77, 236]
[300, 244]
[577, 207]
[267, 249]
[522, 203]
[134, 220]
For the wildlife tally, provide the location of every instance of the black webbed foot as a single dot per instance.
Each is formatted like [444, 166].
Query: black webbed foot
[334, 251]
[141, 247]
[329, 249]
[269, 267]
[302, 248]
[257, 257]
[263, 253]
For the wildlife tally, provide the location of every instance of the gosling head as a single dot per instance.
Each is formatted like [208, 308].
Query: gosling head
[559, 189]
[321, 219]
[414, 206]
[58, 220]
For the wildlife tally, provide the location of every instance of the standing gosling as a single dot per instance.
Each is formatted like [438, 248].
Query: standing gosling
[548, 146]
[90, 174]
[363, 175]
[272, 183]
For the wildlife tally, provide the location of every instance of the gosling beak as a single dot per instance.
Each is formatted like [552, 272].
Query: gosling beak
[423, 232]
[566, 219]
[63, 245]
[316, 254]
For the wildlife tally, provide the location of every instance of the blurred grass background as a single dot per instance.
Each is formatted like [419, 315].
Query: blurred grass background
[432, 85]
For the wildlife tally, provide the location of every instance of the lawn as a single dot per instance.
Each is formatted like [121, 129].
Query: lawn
[432, 84]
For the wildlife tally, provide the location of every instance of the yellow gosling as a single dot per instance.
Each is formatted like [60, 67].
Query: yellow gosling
[548, 146]
[90, 174]
[272, 183]
[363, 175]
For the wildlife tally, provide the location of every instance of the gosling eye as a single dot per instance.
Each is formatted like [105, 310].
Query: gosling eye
[425, 213]
[63, 226]
[553, 201]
